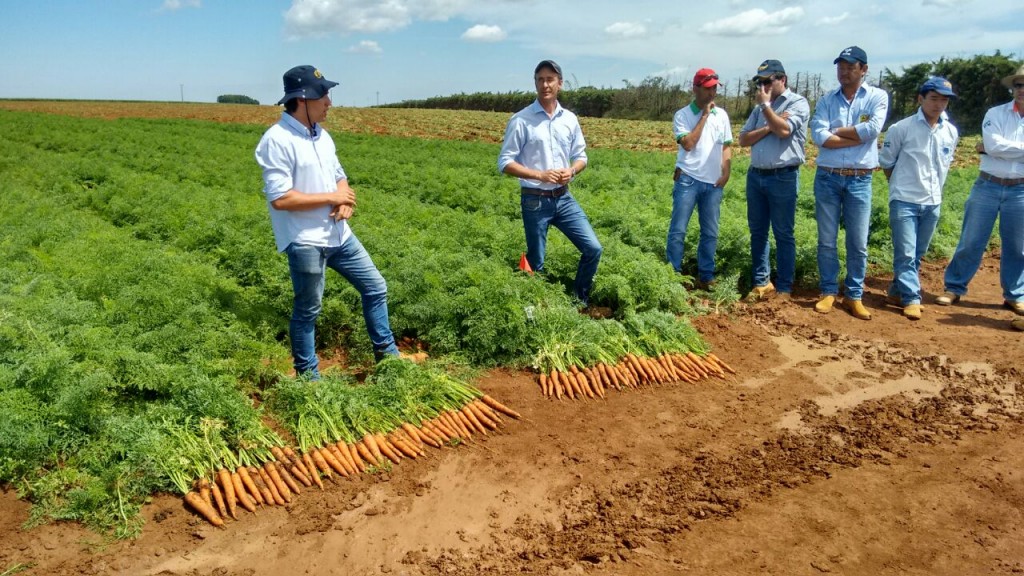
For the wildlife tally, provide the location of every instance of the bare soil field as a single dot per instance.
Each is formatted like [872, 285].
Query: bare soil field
[841, 447]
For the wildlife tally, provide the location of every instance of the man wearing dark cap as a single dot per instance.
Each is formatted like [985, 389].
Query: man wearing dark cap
[915, 158]
[310, 203]
[545, 149]
[998, 192]
[703, 133]
[776, 130]
[845, 126]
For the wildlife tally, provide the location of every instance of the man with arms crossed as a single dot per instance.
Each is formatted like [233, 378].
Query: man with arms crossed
[998, 191]
[545, 149]
[777, 130]
[915, 158]
[845, 126]
[310, 202]
[704, 134]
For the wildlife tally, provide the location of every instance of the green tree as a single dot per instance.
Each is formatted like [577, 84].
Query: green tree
[236, 99]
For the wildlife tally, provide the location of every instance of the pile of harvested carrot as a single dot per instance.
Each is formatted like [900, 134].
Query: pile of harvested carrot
[282, 477]
[631, 372]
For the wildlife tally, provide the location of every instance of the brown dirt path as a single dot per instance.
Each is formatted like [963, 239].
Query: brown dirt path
[843, 447]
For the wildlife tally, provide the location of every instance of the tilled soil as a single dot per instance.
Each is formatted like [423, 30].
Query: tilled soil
[841, 447]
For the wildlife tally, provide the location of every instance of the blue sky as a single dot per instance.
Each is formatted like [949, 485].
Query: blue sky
[391, 50]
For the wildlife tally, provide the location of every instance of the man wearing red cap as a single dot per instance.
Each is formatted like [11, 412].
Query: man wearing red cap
[704, 134]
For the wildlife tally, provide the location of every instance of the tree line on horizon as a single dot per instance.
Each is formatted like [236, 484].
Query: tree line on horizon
[976, 81]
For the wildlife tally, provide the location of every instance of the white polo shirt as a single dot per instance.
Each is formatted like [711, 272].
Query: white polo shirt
[704, 162]
[293, 157]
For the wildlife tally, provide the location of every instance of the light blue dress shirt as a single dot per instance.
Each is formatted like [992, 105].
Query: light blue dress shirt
[542, 142]
[772, 151]
[866, 113]
[919, 156]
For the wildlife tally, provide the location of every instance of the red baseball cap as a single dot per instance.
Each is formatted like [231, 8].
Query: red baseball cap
[705, 78]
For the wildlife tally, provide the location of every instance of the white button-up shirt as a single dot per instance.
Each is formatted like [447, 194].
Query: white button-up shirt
[919, 156]
[542, 142]
[1003, 134]
[295, 158]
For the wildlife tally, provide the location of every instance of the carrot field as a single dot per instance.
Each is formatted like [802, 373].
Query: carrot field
[144, 310]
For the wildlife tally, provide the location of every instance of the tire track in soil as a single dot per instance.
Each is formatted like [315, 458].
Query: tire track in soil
[602, 527]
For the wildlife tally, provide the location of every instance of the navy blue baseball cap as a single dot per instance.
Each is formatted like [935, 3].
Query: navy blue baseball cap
[937, 84]
[305, 82]
[769, 68]
[851, 55]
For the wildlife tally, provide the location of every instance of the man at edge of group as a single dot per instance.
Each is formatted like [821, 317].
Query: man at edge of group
[776, 130]
[310, 202]
[915, 158]
[704, 134]
[544, 147]
[998, 191]
[845, 126]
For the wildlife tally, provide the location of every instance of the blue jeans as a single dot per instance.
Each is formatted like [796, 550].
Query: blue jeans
[307, 265]
[988, 200]
[565, 214]
[688, 193]
[912, 228]
[771, 202]
[845, 198]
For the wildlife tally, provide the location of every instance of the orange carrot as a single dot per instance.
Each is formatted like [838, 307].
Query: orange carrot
[357, 459]
[200, 505]
[203, 485]
[387, 450]
[473, 419]
[340, 451]
[371, 443]
[218, 498]
[557, 383]
[257, 479]
[543, 380]
[299, 462]
[449, 422]
[241, 494]
[269, 483]
[402, 447]
[721, 363]
[428, 438]
[321, 463]
[275, 476]
[333, 457]
[481, 417]
[500, 407]
[442, 429]
[462, 425]
[250, 485]
[286, 480]
[413, 433]
[224, 478]
[366, 454]
[299, 475]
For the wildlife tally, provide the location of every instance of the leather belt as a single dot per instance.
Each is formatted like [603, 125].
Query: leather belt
[847, 171]
[554, 193]
[1001, 181]
[769, 171]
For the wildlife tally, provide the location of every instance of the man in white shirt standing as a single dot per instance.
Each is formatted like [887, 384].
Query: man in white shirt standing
[310, 202]
[915, 158]
[998, 191]
[704, 134]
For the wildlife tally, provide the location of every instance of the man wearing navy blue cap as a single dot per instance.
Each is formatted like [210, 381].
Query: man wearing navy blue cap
[776, 130]
[310, 202]
[997, 193]
[845, 126]
[915, 158]
[544, 148]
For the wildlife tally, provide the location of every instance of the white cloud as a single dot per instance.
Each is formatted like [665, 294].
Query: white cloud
[484, 33]
[179, 4]
[365, 47]
[755, 22]
[832, 20]
[626, 30]
[320, 17]
[943, 3]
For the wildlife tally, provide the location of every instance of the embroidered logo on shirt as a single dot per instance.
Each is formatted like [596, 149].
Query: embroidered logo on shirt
[864, 117]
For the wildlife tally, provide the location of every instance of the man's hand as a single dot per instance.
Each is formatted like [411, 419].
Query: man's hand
[763, 94]
[980, 147]
[722, 181]
[709, 107]
[342, 212]
[344, 194]
[559, 176]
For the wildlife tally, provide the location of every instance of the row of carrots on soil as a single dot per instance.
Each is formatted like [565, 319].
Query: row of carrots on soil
[631, 372]
[282, 478]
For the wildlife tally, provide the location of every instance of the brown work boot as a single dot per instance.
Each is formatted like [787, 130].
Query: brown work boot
[947, 299]
[1017, 307]
[783, 296]
[1017, 324]
[824, 305]
[761, 292]
[856, 308]
[912, 311]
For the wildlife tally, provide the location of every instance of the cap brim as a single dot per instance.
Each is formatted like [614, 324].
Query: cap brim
[325, 87]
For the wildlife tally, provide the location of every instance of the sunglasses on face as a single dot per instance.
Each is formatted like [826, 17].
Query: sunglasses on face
[766, 81]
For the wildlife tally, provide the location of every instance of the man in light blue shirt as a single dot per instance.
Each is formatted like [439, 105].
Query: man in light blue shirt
[310, 202]
[776, 130]
[915, 158]
[845, 126]
[545, 149]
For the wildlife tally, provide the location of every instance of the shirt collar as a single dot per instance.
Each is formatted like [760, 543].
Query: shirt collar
[920, 116]
[298, 127]
[696, 110]
[538, 109]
